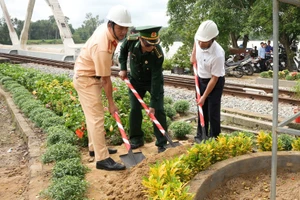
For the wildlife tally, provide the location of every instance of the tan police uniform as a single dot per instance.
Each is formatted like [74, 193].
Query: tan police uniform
[94, 62]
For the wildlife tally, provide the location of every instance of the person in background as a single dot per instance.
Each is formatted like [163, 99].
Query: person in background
[262, 56]
[146, 59]
[92, 74]
[254, 52]
[210, 59]
[269, 50]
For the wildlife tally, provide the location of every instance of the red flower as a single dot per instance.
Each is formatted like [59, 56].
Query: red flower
[79, 133]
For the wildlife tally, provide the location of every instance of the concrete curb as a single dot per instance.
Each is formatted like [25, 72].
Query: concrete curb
[269, 81]
[35, 167]
[207, 181]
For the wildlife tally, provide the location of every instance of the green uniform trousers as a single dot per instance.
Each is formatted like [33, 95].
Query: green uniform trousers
[135, 133]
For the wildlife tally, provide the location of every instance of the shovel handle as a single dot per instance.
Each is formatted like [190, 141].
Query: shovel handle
[198, 98]
[153, 118]
[122, 131]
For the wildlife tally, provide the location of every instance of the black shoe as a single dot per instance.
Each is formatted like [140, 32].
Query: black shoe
[198, 140]
[110, 151]
[109, 164]
[161, 149]
[135, 146]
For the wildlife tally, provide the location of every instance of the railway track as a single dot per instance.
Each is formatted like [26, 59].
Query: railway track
[238, 90]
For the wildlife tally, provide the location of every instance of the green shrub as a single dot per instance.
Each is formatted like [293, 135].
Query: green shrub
[19, 89]
[270, 73]
[168, 100]
[52, 121]
[167, 64]
[12, 85]
[67, 188]
[264, 75]
[182, 106]
[4, 79]
[37, 110]
[296, 89]
[286, 141]
[20, 98]
[40, 117]
[289, 77]
[30, 105]
[180, 129]
[60, 134]
[72, 167]
[58, 152]
[169, 121]
[170, 110]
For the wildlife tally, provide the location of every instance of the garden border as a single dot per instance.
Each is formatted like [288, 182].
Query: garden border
[207, 181]
[35, 167]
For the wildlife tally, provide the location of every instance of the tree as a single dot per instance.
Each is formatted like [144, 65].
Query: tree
[187, 15]
[4, 33]
[260, 22]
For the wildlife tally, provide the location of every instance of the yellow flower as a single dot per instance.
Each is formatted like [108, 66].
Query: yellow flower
[111, 128]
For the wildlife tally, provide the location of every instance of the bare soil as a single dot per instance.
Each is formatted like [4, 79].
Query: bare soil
[14, 174]
[257, 186]
[16, 183]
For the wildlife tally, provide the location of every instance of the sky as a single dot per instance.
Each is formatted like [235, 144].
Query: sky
[143, 12]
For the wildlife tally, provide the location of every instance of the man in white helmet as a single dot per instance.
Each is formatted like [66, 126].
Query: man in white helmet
[92, 73]
[210, 58]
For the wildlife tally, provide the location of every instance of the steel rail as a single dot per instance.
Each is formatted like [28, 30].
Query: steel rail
[177, 81]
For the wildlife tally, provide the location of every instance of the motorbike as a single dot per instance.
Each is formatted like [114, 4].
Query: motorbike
[234, 69]
[281, 63]
[255, 65]
[296, 59]
[244, 63]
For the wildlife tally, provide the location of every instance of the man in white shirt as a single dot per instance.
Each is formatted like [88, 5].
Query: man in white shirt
[210, 59]
[262, 56]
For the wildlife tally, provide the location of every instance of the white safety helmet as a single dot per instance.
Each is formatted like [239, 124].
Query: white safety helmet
[120, 15]
[207, 31]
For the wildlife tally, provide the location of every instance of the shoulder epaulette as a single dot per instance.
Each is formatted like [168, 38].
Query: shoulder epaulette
[158, 52]
[133, 37]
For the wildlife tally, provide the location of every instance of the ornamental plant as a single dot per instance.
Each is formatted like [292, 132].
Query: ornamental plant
[264, 142]
[296, 89]
[296, 144]
[58, 152]
[286, 141]
[67, 187]
[170, 177]
[60, 134]
[69, 167]
[182, 106]
[180, 129]
[170, 110]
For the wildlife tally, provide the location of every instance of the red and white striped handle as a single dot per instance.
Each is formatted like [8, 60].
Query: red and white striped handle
[198, 95]
[153, 118]
[122, 131]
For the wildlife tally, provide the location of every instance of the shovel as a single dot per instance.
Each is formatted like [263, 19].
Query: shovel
[204, 137]
[151, 115]
[130, 159]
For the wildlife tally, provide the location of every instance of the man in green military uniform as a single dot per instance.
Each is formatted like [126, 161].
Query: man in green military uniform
[146, 59]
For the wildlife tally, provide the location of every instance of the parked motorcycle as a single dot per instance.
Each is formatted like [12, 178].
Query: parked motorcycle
[234, 69]
[255, 65]
[296, 59]
[281, 63]
[244, 63]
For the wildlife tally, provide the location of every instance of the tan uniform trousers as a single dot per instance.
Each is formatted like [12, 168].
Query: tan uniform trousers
[89, 93]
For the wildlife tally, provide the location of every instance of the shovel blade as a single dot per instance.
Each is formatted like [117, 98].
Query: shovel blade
[173, 144]
[131, 159]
